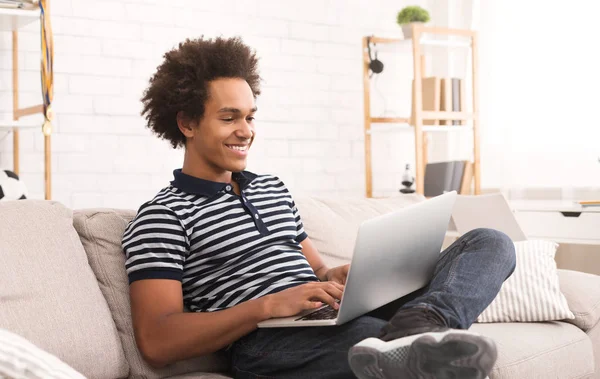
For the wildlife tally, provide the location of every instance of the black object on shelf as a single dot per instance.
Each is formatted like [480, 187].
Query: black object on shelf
[407, 181]
[443, 177]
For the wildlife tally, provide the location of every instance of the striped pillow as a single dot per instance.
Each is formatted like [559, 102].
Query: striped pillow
[21, 359]
[532, 293]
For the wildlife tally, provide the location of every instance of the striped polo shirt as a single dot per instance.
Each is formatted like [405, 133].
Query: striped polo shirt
[223, 247]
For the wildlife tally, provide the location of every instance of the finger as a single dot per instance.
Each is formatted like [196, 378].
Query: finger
[333, 291]
[338, 289]
[336, 283]
[322, 295]
[311, 304]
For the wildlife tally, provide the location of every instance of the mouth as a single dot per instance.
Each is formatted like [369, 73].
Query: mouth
[240, 149]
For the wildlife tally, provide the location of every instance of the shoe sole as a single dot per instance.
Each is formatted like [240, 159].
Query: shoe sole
[446, 355]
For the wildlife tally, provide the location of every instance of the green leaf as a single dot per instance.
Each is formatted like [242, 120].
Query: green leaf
[413, 13]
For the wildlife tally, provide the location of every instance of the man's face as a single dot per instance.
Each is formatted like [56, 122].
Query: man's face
[226, 130]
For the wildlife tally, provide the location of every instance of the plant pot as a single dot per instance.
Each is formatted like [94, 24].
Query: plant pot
[407, 29]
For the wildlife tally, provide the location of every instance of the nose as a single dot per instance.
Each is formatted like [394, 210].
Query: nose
[246, 130]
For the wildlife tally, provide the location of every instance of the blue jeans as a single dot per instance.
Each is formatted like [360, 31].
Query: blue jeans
[467, 277]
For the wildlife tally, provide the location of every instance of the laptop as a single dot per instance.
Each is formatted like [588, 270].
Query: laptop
[486, 211]
[394, 255]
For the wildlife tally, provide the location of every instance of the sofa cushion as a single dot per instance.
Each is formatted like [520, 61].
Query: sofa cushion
[101, 231]
[539, 350]
[20, 358]
[332, 223]
[594, 335]
[582, 291]
[48, 292]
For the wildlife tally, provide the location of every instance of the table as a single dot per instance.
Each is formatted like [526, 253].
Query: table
[562, 220]
[574, 227]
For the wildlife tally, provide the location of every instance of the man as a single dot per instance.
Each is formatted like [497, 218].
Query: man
[230, 245]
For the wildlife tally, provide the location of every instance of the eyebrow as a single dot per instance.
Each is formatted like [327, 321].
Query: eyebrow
[235, 110]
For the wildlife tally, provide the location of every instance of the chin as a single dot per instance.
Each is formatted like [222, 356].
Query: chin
[237, 167]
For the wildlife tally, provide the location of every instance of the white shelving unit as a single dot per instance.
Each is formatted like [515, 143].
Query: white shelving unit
[15, 19]
[421, 38]
[11, 20]
[9, 125]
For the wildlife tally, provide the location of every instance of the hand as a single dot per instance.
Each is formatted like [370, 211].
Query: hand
[306, 296]
[338, 274]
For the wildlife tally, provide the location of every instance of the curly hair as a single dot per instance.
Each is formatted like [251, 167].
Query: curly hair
[181, 81]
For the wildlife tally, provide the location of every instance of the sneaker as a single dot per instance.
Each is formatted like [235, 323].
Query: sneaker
[434, 354]
[411, 321]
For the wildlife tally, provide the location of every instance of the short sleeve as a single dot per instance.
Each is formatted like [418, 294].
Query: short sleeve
[155, 244]
[300, 233]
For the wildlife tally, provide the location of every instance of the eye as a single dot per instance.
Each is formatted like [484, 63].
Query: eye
[251, 118]
[227, 119]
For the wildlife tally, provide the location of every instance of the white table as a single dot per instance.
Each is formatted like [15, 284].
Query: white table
[563, 221]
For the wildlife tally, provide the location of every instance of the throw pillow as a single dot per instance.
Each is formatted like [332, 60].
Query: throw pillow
[21, 359]
[532, 293]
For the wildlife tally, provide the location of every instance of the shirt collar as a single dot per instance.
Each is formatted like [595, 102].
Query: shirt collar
[198, 186]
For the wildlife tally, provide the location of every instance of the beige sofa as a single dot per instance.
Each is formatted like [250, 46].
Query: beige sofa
[63, 287]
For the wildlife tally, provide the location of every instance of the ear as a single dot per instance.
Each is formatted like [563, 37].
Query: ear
[185, 124]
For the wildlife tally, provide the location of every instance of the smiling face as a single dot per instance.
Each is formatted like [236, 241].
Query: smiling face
[219, 143]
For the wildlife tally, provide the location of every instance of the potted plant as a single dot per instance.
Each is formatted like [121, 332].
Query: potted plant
[410, 15]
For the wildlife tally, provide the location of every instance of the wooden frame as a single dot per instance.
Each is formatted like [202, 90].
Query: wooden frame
[419, 115]
[26, 111]
[367, 106]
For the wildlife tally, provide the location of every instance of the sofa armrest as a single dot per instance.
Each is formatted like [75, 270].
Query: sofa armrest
[583, 296]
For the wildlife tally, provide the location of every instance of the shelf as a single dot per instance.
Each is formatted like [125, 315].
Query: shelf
[429, 30]
[425, 128]
[13, 19]
[461, 43]
[443, 115]
[427, 115]
[9, 125]
[386, 120]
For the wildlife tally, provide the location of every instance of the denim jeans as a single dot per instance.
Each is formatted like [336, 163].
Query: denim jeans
[467, 277]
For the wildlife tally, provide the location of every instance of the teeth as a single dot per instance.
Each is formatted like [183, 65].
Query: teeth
[240, 148]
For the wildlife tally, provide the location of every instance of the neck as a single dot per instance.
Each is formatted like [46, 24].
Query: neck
[194, 165]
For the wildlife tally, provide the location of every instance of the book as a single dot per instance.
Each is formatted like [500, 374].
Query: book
[452, 97]
[589, 203]
[446, 98]
[430, 88]
[462, 99]
[456, 98]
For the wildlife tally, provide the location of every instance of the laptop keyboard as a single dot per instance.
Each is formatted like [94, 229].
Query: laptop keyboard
[325, 313]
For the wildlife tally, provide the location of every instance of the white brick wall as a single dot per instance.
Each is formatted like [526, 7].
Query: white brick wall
[310, 128]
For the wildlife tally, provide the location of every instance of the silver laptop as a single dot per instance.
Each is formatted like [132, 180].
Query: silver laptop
[394, 255]
[486, 211]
